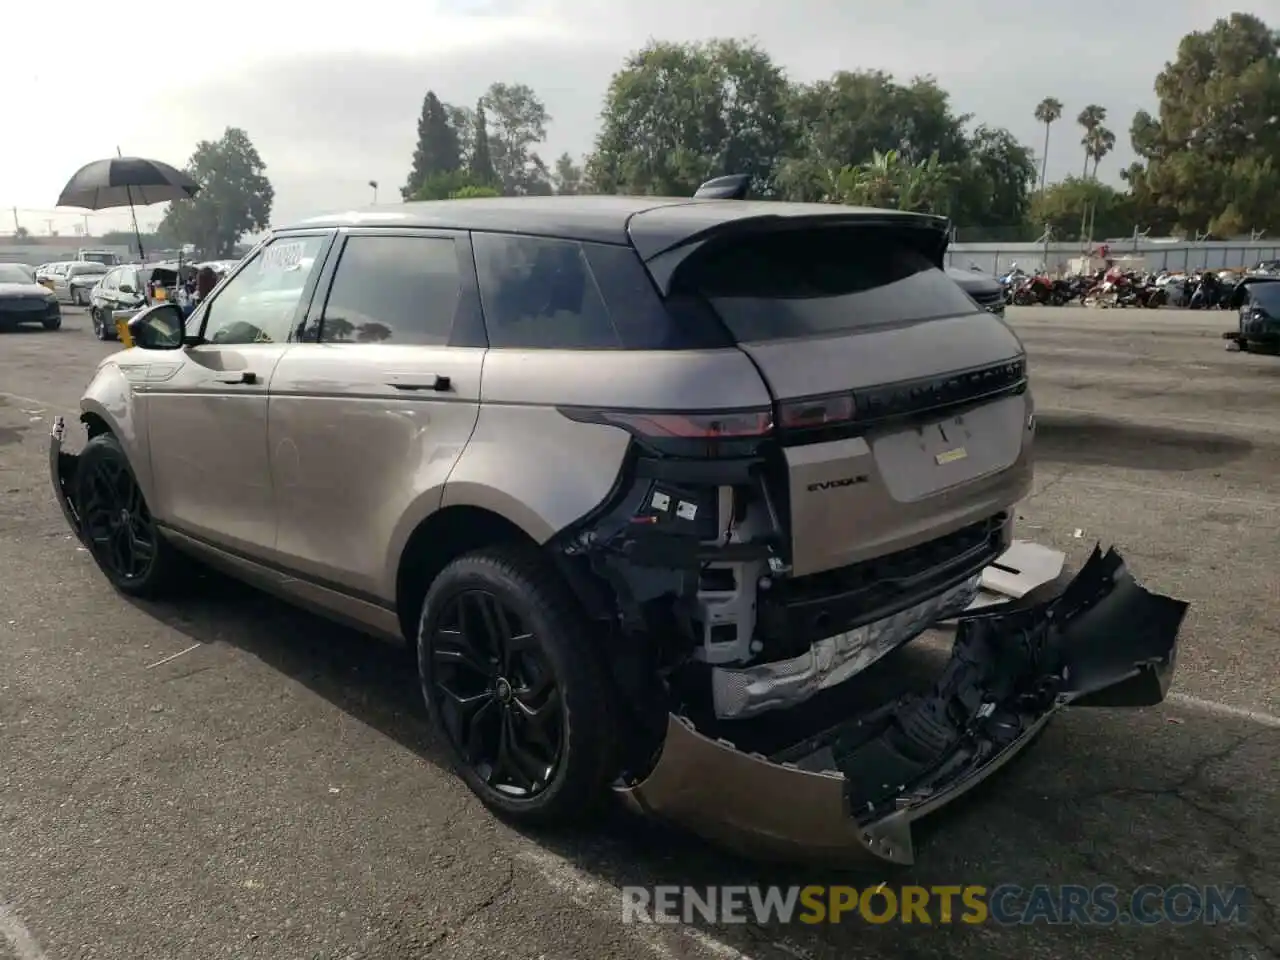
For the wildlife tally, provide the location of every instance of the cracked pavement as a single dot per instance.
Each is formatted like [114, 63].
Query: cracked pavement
[226, 777]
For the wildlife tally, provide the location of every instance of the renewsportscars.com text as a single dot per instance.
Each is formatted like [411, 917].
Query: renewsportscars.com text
[1003, 905]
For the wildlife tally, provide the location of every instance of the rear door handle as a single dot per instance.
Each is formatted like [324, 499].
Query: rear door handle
[417, 381]
[240, 376]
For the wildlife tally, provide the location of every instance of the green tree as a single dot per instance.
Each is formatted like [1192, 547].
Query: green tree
[21, 233]
[473, 191]
[235, 196]
[1073, 202]
[463, 122]
[843, 122]
[1099, 142]
[1091, 117]
[889, 180]
[1048, 112]
[678, 114]
[437, 150]
[1213, 153]
[993, 183]
[452, 185]
[480, 163]
[567, 175]
[516, 122]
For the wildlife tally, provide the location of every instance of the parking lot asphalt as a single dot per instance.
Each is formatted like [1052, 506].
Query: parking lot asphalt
[225, 777]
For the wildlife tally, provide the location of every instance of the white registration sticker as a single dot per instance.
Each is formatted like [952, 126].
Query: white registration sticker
[283, 256]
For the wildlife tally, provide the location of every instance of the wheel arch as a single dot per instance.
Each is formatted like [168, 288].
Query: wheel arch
[454, 531]
[437, 541]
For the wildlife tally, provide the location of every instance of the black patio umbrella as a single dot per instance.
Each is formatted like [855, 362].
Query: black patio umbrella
[126, 182]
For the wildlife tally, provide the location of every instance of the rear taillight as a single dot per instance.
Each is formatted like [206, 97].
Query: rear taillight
[693, 426]
[699, 434]
[814, 412]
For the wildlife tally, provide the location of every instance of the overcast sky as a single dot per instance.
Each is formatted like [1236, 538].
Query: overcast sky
[330, 92]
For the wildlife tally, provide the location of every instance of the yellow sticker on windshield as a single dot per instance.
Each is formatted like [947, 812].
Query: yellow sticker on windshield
[951, 456]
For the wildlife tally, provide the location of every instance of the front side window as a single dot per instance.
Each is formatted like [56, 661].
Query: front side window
[393, 289]
[260, 302]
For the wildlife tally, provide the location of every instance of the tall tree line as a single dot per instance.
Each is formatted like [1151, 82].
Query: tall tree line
[677, 114]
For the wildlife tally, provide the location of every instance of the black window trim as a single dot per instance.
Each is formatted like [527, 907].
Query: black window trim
[468, 322]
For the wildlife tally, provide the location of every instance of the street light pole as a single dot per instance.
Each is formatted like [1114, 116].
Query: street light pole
[374, 185]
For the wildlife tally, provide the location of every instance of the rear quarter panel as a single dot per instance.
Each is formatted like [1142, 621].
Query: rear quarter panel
[543, 471]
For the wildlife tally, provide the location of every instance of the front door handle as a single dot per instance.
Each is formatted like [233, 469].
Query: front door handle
[417, 381]
[240, 376]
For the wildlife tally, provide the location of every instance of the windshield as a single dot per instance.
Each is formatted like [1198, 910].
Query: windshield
[1266, 296]
[86, 268]
[12, 273]
[103, 258]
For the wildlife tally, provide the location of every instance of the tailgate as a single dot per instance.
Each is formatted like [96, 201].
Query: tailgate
[901, 406]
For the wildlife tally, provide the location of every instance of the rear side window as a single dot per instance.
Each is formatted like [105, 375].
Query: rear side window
[393, 289]
[810, 283]
[549, 294]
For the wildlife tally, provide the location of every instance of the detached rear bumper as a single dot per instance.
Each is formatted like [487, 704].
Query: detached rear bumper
[852, 792]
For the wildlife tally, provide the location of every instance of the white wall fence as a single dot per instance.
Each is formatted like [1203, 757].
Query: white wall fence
[997, 258]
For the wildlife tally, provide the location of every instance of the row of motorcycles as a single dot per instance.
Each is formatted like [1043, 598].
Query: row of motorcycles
[1114, 287]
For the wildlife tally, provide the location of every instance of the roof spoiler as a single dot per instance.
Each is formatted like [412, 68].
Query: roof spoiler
[732, 187]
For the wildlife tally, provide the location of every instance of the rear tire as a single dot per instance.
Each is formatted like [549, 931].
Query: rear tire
[116, 525]
[526, 717]
[99, 325]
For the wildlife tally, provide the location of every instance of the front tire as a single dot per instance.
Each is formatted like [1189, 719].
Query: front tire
[116, 525]
[52, 323]
[516, 686]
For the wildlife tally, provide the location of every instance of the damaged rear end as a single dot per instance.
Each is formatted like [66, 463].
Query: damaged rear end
[853, 789]
[762, 562]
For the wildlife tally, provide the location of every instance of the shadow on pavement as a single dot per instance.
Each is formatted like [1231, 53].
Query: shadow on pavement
[1089, 439]
[1106, 797]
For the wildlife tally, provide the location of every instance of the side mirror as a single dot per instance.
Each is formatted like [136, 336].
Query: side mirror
[125, 288]
[161, 327]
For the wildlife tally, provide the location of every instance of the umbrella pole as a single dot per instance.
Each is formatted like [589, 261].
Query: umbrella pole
[134, 214]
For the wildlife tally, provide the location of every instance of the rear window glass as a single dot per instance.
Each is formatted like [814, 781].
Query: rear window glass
[549, 294]
[819, 282]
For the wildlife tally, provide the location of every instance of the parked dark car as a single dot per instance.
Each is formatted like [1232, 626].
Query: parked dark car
[125, 290]
[22, 300]
[986, 291]
[1258, 300]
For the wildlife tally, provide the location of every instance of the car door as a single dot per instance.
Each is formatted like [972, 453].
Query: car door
[102, 293]
[62, 282]
[124, 296]
[207, 410]
[369, 414]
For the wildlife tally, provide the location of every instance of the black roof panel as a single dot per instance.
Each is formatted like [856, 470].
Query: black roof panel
[601, 219]
[651, 224]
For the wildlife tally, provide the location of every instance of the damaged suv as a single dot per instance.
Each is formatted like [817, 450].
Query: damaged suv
[649, 484]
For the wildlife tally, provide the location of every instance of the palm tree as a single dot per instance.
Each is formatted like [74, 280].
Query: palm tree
[1090, 118]
[1047, 111]
[1100, 142]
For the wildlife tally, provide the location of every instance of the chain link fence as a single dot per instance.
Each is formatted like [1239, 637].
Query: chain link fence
[997, 257]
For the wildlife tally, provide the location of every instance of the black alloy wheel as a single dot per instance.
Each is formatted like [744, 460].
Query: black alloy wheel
[117, 523]
[499, 702]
